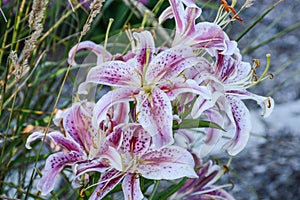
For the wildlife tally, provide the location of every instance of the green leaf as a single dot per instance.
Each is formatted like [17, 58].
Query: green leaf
[195, 123]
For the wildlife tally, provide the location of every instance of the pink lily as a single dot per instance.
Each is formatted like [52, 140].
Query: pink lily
[80, 143]
[140, 159]
[97, 49]
[205, 35]
[151, 81]
[228, 79]
[202, 188]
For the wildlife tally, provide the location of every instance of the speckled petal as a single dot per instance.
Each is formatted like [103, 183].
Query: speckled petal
[240, 117]
[155, 115]
[135, 139]
[108, 181]
[144, 43]
[111, 98]
[209, 35]
[241, 73]
[58, 139]
[74, 128]
[131, 187]
[171, 163]
[189, 86]
[90, 166]
[113, 73]
[169, 63]
[54, 164]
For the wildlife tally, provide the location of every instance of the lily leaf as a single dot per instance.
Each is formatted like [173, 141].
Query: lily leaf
[195, 123]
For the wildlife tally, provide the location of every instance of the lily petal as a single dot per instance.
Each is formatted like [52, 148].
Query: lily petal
[91, 166]
[89, 45]
[120, 113]
[131, 187]
[209, 35]
[266, 103]
[54, 164]
[211, 192]
[171, 163]
[118, 95]
[213, 135]
[189, 86]
[145, 42]
[113, 73]
[156, 117]
[201, 104]
[135, 139]
[225, 67]
[166, 14]
[108, 181]
[240, 117]
[57, 138]
[78, 125]
[169, 63]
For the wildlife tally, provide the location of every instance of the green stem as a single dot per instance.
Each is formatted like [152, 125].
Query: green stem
[156, 184]
[257, 20]
[278, 35]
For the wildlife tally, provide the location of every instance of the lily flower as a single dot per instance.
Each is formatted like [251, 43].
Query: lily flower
[202, 188]
[151, 81]
[202, 35]
[228, 79]
[140, 159]
[80, 143]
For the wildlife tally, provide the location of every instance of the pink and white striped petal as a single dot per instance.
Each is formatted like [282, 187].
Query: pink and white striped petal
[144, 43]
[97, 49]
[135, 140]
[90, 166]
[266, 103]
[118, 95]
[209, 35]
[240, 117]
[169, 63]
[113, 73]
[171, 163]
[155, 115]
[131, 187]
[58, 139]
[120, 113]
[54, 164]
[212, 135]
[189, 86]
[108, 181]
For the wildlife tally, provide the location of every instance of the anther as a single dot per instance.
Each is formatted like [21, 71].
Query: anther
[81, 193]
[269, 102]
[226, 169]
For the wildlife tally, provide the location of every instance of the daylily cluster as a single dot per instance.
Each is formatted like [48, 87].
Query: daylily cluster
[152, 123]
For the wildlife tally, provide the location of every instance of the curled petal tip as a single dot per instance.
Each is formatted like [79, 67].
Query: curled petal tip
[268, 106]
